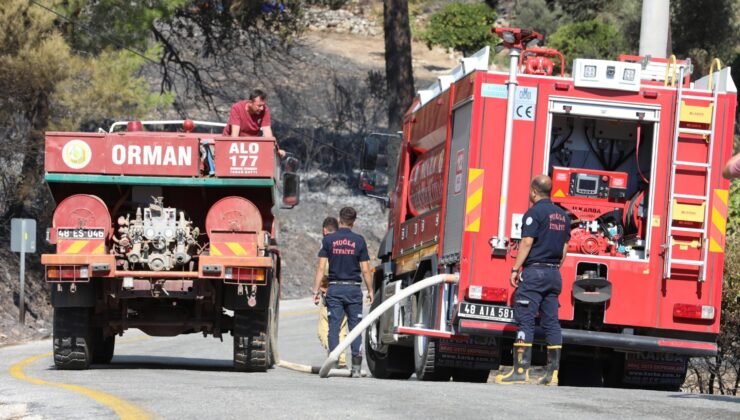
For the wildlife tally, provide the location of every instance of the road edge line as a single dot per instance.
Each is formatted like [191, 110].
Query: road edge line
[124, 409]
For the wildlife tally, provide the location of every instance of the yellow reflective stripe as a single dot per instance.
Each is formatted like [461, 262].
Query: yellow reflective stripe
[215, 251]
[76, 247]
[718, 220]
[236, 248]
[100, 249]
[474, 200]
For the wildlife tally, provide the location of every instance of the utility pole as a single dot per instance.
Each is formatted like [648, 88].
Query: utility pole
[654, 28]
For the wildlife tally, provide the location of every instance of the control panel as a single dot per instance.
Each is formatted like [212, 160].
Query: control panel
[587, 183]
[605, 74]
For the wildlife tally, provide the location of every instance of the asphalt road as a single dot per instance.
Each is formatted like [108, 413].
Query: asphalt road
[190, 377]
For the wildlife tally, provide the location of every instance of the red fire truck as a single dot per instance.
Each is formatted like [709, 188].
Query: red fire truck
[167, 227]
[633, 148]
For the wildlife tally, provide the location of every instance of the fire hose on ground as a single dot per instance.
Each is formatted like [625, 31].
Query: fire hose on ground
[376, 313]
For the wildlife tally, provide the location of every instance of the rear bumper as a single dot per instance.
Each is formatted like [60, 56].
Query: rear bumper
[624, 342]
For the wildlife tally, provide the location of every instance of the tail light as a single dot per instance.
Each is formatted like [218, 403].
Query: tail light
[687, 311]
[244, 274]
[67, 272]
[489, 294]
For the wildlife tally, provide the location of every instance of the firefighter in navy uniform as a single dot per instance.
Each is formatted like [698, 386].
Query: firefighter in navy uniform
[347, 256]
[544, 243]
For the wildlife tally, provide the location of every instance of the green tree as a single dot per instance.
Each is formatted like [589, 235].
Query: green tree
[589, 39]
[542, 16]
[704, 29]
[580, 10]
[105, 87]
[45, 82]
[463, 27]
[626, 16]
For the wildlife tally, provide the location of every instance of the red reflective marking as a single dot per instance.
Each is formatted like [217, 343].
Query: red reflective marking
[487, 325]
[687, 344]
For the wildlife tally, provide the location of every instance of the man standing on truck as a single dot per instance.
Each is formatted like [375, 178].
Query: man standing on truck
[347, 256]
[542, 250]
[330, 225]
[250, 117]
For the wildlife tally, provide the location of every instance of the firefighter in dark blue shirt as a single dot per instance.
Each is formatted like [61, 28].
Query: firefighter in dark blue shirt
[347, 256]
[545, 236]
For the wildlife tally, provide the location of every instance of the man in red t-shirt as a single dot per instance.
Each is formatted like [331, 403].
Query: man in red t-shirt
[250, 117]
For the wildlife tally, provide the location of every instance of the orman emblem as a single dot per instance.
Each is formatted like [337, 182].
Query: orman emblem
[76, 154]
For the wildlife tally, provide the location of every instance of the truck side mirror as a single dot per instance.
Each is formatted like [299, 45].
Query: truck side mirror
[370, 151]
[291, 190]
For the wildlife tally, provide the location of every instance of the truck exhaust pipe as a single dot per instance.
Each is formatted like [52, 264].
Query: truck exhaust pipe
[375, 314]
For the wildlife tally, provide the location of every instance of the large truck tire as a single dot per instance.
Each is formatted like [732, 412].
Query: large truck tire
[102, 347]
[386, 362]
[274, 314]
[425, 348]
[72, 338]
[251, 341]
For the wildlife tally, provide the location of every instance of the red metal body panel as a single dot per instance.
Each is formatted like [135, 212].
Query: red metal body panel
[81, 211]
[430, 127]
[245, 157]
[122, 154]
[426, 182]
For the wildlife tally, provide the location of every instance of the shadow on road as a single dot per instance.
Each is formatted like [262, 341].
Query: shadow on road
[722, 398]
[168, 363]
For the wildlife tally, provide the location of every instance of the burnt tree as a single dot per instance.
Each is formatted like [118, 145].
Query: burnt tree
[398, 73]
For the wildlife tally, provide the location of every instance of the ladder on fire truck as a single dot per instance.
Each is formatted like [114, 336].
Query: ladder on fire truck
[700, 166]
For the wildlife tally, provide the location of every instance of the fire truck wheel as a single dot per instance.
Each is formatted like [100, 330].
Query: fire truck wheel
[274, 356]
[470, 375]
[425, 348]
[72, 338]
[251, 341]
[102, 347]
[386, 362]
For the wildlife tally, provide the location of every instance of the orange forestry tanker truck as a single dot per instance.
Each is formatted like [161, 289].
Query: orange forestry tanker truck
[633, 148]
[167, 227]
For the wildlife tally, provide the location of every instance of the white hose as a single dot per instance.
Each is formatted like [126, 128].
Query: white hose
[375, 314]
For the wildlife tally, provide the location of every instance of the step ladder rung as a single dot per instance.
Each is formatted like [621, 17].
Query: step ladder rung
[685, 229]
[676, 261]
[696, 131]
[692, 164]
[691, 197]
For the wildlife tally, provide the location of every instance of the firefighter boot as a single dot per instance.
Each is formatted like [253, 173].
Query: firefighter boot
[356, 366]
[519, 373]
[553, 366]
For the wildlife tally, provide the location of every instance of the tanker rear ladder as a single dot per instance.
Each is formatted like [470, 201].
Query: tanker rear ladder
[705, 166]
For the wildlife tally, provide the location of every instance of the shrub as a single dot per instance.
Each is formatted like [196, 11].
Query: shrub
[588, 39]
[461, 27]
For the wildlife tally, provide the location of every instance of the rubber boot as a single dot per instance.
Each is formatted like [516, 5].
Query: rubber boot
[553, 366]
[519, 373]
[356, 366]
